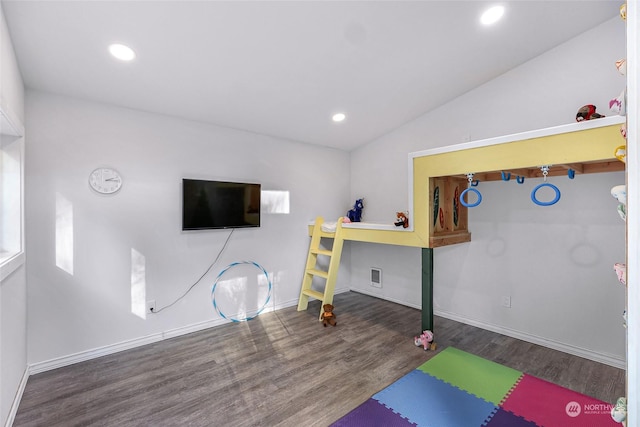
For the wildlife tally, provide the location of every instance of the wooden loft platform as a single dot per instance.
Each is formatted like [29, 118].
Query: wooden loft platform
[585, 147]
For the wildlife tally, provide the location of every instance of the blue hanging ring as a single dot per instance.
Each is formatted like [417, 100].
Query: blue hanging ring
[571, 173]
[505, 176]
[520, 179]
[475, 183]
[552, 202]
[470, 205]
[215, 284]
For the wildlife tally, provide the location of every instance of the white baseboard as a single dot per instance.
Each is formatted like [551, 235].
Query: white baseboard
[607, 359]
[59, 362]
[17, 398]
[82, 356]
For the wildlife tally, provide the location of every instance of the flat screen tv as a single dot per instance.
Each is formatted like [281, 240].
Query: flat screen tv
[219, 204]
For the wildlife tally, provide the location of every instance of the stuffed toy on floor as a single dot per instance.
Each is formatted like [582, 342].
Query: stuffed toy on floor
[619, 411]
[426, 340]
[328, 317]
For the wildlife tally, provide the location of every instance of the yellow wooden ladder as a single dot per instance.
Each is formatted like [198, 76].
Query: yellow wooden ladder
[311, 270]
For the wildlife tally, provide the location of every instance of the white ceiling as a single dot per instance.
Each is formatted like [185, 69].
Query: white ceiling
[282, 68]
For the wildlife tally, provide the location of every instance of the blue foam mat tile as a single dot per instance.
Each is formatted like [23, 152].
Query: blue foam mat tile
[449, 405]
[372, 414]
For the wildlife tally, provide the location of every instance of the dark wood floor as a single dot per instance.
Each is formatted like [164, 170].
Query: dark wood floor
[280, 369]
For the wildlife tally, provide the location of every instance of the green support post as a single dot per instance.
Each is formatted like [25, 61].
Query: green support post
[427, 289]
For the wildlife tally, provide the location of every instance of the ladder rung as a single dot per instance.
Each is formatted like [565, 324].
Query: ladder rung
[322, 252]
[318, 273]
[314, 294]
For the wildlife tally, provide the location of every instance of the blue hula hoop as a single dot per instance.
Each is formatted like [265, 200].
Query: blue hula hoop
[215, 284]
[470, 205]
[552, 202]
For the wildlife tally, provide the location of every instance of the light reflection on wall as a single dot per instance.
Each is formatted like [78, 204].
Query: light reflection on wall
[231, 296]
[275, 202]
[138, 284]
[243, 296]
[10, 196]
[64, 234]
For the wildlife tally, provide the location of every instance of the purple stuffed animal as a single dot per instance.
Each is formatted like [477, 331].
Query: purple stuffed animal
[355, 214]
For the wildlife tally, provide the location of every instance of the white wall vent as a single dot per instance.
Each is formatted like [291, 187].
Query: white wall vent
[376, 277]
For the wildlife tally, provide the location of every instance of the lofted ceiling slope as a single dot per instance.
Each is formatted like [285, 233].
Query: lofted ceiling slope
[283, 68]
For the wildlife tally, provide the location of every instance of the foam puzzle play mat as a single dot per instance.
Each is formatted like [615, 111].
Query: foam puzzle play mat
[456, 388]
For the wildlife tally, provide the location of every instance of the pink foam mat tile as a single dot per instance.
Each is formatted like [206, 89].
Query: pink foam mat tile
[550, 405]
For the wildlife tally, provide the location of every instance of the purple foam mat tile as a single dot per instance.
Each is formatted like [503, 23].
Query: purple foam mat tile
[502, 418]
[372, 414]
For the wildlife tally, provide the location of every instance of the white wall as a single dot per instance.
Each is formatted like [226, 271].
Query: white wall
[578, 303]
[11, 85]
[633, 231]
[13, 308]
[84, 302]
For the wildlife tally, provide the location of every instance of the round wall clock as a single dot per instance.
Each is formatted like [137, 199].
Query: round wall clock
[105, 180]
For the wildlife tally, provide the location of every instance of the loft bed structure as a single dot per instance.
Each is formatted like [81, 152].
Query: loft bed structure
[438, 176]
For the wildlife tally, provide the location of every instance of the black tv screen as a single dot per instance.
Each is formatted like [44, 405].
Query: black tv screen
[219, 204]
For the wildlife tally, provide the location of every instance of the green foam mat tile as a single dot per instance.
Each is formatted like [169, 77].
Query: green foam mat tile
[485, 379]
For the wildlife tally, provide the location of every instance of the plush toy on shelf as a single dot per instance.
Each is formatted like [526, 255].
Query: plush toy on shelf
[328, 317]
[355, 213]
[426, 340]
[621, 272]
[401, 220]
[621, 66]
[618, 105]
[619, 192]
[587, 112]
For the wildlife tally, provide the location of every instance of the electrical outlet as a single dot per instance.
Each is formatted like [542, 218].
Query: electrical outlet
[151, 306]
[506, 301]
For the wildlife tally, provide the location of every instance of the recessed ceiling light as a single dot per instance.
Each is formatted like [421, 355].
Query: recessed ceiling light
[339, 117]
[492, 15]
[122, 52]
